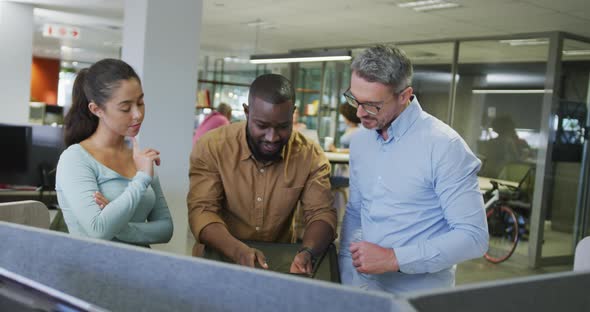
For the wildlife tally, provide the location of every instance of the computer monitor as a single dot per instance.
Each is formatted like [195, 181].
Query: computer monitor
[47, 144]
[15, 144]
[34, 151]
[18, 293]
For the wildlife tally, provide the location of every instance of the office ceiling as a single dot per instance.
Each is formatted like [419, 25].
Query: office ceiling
[241, 28]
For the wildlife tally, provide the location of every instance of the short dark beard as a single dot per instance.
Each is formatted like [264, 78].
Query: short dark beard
[255, 152]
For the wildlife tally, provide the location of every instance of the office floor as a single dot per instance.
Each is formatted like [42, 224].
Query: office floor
[480, 270]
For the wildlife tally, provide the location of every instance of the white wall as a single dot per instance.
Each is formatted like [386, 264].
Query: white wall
[16, 50]
[161, 41]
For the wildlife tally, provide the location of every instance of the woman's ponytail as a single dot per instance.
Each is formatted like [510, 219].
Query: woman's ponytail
[79, 123]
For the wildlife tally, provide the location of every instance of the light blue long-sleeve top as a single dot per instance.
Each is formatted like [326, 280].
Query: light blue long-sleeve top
[137, 212]
[417, 193]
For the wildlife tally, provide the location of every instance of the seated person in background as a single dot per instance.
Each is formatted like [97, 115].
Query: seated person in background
[246, 180]
[310, 134]
[220, 117]
[352, 125]
[504, 149]
[297, 126]
[106, 189]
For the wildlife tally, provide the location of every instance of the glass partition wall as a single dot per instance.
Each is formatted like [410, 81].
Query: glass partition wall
[224, 80]
[521, 104]
[500, 87]
[432, 76]
[566, 218]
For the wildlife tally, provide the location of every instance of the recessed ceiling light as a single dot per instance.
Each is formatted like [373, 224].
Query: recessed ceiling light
[576, 52]
[510, 91]
[70, 49]
[524, 42]
[439, 6]
[257, 22]
[413, 4]
[310, 56]
[428, 5]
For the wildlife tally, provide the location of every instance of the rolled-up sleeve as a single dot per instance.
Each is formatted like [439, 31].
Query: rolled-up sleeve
[317, 200]
[206, 189]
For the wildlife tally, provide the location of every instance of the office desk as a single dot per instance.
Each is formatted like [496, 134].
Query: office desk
[485, 185]
[279, 257]
[338, 158]
[49, 198]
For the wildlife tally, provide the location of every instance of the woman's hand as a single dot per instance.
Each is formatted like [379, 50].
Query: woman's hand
[145, 159]
[100, 200]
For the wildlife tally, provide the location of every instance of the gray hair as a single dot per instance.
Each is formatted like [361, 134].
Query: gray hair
[385, 64]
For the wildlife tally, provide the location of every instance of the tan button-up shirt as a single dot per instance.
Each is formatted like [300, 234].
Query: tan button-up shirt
[257, 201]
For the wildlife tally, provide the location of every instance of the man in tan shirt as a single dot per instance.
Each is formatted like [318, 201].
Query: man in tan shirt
[247, 178]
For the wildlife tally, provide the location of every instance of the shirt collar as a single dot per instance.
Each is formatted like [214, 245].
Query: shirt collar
[246, 153]
[404, 121]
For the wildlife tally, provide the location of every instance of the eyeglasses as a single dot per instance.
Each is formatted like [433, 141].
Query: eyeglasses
[370, 108]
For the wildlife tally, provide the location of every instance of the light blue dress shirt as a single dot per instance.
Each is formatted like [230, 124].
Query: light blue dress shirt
[417, 193]
[137, 212]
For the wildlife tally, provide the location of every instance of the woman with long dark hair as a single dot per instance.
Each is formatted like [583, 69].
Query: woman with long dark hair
[106, 188]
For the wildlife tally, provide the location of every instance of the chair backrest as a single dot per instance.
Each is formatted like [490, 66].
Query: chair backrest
[26, 212]
[514, 171]
[582, 255]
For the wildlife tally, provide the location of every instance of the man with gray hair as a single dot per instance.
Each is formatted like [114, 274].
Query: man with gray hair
[415, 208]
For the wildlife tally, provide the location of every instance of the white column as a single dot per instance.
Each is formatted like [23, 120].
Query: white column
[16, 53]
[161, 41]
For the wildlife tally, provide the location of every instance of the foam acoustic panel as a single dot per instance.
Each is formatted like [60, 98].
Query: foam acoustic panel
[126, 278]
[564, 291]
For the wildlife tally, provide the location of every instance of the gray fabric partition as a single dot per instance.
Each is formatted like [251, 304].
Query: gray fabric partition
[126, 278]
[565, 291]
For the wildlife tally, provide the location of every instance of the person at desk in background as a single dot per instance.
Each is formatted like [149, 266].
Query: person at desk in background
[106, 189]
[246, 180]
[297, 126]
[218, 118]
[352, 125]
[505, 149]
[415, 209]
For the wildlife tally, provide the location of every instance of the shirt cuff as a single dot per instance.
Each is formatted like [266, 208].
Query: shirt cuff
[202, 220]
[143, 178]
[408, 258]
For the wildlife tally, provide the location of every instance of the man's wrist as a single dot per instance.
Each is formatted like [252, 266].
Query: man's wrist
[308, 250]
[236, 249]
[395, 265]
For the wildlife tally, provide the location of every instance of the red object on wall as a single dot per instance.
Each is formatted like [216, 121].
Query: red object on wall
[44, 80]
